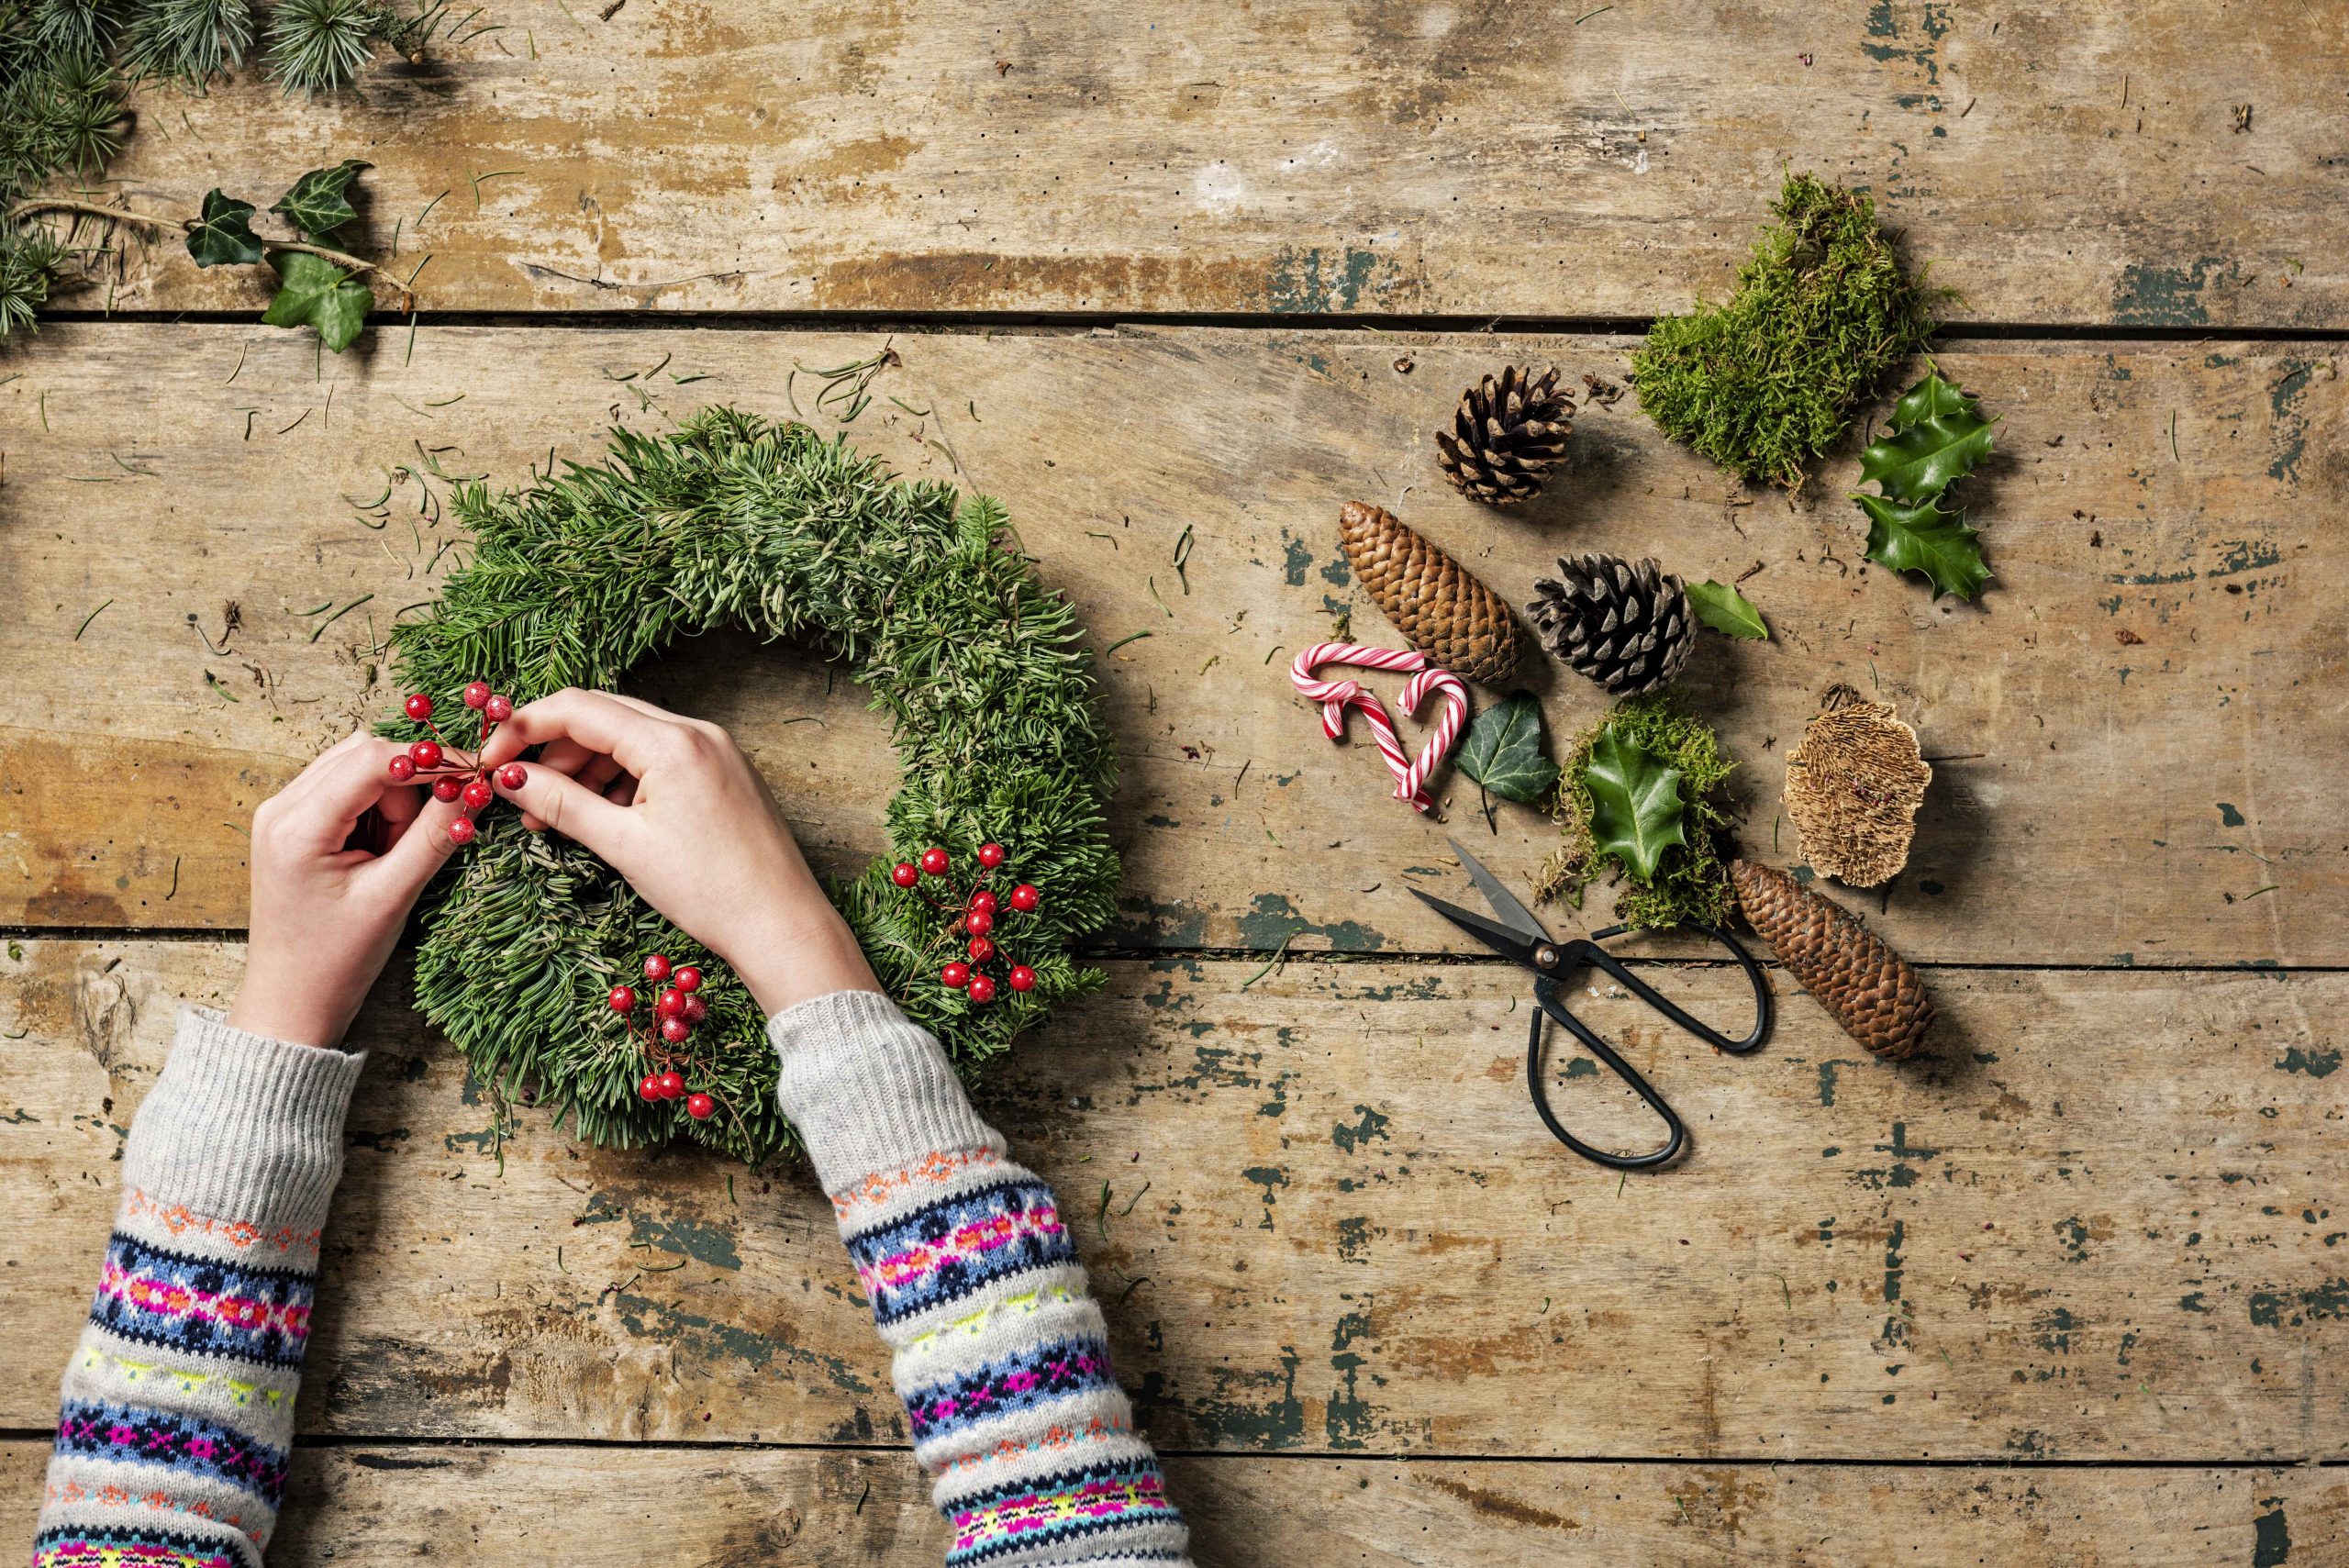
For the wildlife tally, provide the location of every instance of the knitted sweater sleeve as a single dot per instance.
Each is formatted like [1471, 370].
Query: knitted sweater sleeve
[178, 1405]
[1000, 1351]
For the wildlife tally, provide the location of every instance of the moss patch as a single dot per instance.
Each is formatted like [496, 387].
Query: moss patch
[1823, 308]
[1691, 882]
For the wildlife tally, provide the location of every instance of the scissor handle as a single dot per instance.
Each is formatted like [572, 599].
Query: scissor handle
[1589, 951]
[1545, 992]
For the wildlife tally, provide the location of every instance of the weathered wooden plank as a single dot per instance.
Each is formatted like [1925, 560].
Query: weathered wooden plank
[607, 1506]
[2110, 788]
[2072, 164]
[2102, 1223]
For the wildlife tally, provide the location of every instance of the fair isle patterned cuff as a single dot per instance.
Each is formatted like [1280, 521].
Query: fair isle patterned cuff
[871, 1092]
[243, 1129]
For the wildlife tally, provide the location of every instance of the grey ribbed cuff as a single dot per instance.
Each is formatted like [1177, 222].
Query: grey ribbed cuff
[242, 1127]
[869, 1090]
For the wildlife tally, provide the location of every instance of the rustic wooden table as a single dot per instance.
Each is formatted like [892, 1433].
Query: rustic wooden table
[2061, 1295]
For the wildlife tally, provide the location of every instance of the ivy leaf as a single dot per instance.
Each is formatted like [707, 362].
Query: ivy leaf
[1925, 538]
[1635, 804]
[1938, 434]
[1726, 610]
[317, 205]
[1503, 751]
[1929, 399]
[223, 233]
[314, 292]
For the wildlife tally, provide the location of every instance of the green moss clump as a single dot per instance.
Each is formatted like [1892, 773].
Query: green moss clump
[1691, 884]
[1823, 308]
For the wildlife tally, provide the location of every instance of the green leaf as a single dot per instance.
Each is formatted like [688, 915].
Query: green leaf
[1635, 804]
[1925, 538]
[317, 205]
[1503, 751]
[223, 233]
[1929, 399]
[1726, 610]
[314, 292]
[1917, 463]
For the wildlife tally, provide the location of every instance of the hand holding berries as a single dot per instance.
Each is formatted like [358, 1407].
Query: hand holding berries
[452, 773]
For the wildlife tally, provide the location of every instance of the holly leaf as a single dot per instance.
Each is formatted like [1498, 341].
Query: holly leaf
[1726, 610]
[1925, 538]
[1918, 463]
[1635, 804]
[317, 204]
[1929, 399]
[1503, 751]
[314, 292]
[222, 234]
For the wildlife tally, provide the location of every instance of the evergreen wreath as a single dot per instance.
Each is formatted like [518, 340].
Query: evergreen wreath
[732, 520]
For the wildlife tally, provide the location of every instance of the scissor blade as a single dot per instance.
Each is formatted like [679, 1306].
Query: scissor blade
[1492, 933]
[1514, 914]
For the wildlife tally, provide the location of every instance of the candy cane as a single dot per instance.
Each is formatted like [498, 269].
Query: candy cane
[1337, 696]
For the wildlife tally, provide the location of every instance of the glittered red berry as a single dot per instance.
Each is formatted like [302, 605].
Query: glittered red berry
[978, 922]
[934, 862]
[648, 1087]
[622, 999]
[1022, 977]
[499, 709]
[446, 788]
[955, 975]
[672, 1085]
[905, 873]
[701, 1107]
[478, 793]
[674, 1030]
[419, 706]
[981, 989]
[460, 831]
[513, 775]
[403, 768]
[427, 753]
[476, 692]
[688, 979]
[695, 1010]
[982, 949]
[990, 855]
[983, 899]
[671, 1002]
[656, 969]
[1025, 897]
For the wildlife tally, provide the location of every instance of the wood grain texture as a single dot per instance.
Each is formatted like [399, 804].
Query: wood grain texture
[598, 1507]
[2078, 164]
[2102, 1222]
[2121, 729]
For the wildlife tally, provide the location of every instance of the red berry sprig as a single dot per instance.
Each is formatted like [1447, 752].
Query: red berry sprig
[674, 1013]
[454, 774]
[973, 921]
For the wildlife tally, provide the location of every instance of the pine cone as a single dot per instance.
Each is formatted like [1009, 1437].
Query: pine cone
[1852, 788]
[1438, 606]
[1869, 988]
[1507, 436]
[1626, 626]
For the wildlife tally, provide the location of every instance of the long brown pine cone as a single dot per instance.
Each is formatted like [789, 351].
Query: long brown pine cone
[1440, 608]
[1870, 989]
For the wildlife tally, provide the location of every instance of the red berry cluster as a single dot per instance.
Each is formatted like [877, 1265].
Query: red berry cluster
[973, 913]
[675, 1012]
[453, 774]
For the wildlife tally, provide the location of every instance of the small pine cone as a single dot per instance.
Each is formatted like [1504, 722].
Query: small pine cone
[1507, 436]
[1628, 627]
[1852, 789]
[1868, 988]
[1441, 609]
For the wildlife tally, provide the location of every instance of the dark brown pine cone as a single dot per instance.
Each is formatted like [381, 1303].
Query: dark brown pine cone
[1629, 628]
[1870, 989]
[1507, 435]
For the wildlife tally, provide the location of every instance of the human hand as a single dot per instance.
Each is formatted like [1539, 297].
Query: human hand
[673, 805]
[337, 858]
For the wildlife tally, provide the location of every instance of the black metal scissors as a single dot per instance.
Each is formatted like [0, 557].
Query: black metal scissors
[1518, 936]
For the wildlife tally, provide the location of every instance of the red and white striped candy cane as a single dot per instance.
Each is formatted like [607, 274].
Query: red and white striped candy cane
[1337, 696]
